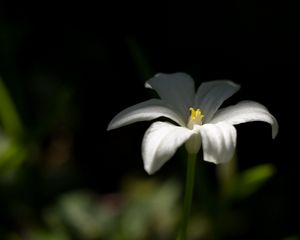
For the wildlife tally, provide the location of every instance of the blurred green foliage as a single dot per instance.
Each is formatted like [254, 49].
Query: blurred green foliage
[12, 150]
[250, 180]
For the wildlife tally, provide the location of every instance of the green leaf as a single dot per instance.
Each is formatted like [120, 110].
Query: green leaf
[252, 179]
[8, 115]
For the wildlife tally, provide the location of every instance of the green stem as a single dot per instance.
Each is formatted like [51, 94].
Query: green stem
[189, 188]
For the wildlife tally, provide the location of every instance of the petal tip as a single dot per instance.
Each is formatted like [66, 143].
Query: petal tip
[147, 85]
[149, 170]
[234, 84]
[275, 127]
[112, 125]
[210, 159]
[158, 74]
[274, 132]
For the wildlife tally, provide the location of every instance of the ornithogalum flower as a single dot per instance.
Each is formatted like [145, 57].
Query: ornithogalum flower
[195, 119]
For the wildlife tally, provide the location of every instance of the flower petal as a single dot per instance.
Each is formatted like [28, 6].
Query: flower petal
[144, 111]
[160, 143]
[177, 89]
[218, 141]
[210, 96]
[246, 111]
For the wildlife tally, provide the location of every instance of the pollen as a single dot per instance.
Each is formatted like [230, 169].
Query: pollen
[196, 117]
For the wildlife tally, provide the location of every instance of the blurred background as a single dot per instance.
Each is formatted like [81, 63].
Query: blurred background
[67, 68]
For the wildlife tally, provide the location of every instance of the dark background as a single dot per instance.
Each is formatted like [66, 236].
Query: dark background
[70, 67]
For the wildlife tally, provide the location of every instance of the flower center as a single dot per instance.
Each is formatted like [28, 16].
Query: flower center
[195, 117]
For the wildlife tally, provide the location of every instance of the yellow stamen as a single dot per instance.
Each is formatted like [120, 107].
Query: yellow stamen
[195, 117]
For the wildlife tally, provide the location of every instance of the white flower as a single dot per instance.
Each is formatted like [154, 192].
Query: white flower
[196, 118]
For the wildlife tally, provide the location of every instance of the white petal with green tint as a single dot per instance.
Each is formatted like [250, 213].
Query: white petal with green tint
[177, 89]
[246, 111]
[218, 142]
[160, 143]
[210, 96]
[144, 111]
